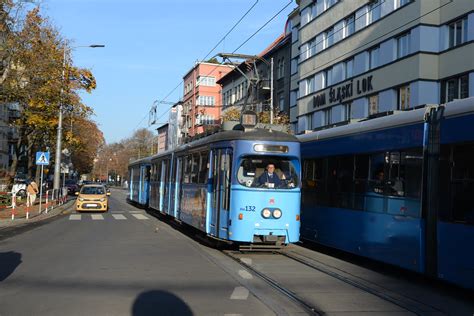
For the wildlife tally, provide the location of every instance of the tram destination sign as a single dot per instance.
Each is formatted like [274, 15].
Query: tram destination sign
[344, 91]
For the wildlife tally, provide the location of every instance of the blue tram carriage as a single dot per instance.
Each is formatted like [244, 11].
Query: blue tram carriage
[212, 185]
[139, 187]
[398, 189]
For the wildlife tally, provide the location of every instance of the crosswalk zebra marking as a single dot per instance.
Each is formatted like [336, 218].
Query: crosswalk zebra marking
[139, 216]
[97, 217]
[119, 216]
[75, 217]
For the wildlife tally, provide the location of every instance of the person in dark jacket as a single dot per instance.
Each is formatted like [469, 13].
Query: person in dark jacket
[269, 178]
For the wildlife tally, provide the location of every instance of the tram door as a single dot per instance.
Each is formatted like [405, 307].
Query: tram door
[221, 173]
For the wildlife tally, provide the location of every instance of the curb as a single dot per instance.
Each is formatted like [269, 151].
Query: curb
[59, 210]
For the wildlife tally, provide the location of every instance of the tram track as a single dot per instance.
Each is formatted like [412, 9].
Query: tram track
[407, 304]
[312, 310]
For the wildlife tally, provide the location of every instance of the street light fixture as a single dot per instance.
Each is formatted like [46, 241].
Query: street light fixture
[57, 163]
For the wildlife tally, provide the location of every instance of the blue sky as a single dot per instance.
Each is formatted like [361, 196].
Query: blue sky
[151, 44]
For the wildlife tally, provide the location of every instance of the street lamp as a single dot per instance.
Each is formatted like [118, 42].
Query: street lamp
[57, 163]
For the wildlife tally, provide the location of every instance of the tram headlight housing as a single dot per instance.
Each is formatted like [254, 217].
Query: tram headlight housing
[266, 213]
[277, 213]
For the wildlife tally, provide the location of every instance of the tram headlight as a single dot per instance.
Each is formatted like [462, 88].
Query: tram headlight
[277, 213]
[266, 213]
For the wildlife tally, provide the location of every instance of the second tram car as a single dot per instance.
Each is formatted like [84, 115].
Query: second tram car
[234, 185]
[139, 186]
[398, 189]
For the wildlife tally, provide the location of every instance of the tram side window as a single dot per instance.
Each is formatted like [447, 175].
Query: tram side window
[203, 167]
[187, 164]
[458, 195]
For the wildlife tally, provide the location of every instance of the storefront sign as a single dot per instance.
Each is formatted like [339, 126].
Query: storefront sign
[343, 92]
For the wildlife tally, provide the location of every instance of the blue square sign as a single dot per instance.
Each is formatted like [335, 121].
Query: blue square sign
[42, 158]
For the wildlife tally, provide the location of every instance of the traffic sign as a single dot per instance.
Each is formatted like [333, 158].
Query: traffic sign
[42, 158]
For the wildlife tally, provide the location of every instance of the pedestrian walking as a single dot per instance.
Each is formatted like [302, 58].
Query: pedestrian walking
[32, 190]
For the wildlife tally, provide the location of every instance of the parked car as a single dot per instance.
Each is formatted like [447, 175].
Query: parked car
[72, 187]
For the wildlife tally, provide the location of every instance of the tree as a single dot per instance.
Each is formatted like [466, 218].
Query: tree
[40, 78]
[87, 141]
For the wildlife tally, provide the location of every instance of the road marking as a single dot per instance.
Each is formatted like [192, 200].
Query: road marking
[97, 217]
[136, 212]
[118, 216]
[240, 293]
[139, 216]
[75, 217]
[245, 275]
[247, 261]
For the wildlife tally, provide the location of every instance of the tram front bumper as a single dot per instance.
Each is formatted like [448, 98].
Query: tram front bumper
[271, 236]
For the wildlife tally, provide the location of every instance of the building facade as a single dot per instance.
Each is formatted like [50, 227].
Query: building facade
[359, 59]
[235, 86]
[202, 102]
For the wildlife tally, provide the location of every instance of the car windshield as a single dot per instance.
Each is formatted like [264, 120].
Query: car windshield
[92, 190]
[267, 172]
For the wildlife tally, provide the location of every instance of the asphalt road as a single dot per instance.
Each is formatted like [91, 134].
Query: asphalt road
[124, 262]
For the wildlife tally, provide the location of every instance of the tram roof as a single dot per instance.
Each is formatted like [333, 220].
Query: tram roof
[256, 134]
[454, 108]
[140, 161]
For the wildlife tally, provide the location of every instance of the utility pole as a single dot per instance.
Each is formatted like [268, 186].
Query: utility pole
[271, 90]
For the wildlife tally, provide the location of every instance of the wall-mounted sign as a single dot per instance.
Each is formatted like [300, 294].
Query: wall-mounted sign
[344, 91]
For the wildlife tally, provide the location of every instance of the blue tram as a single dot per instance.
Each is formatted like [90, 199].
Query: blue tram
[139, 175]
[398, 189]
[217, 184]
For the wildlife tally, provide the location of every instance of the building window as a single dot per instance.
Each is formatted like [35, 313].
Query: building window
[373, 57]
[293, 98]
[206, 100]
[404, 97]
[403, 45]
[281, 68]
[374, 11]
[349, 25]
[294, 66]
[281, 102]
[349, 68]
[346, 115]
[328, 38]
[305, 15]
[457, 32]
[294, 34]
[327, 116]
[455, 88]
[327, 78]
[206, 81]
[373, 104]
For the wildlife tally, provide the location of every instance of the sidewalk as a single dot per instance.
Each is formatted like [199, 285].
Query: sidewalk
[20, 213]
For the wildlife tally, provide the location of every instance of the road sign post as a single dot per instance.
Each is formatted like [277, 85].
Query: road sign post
[42, 159]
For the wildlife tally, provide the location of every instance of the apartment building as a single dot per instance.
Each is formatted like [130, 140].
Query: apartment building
[359, 59]
[202, 100]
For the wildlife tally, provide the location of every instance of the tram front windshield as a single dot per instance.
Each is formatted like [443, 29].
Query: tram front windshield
[267, 172]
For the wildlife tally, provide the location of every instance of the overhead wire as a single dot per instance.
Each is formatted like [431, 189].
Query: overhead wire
[240, 46]
[207, 55]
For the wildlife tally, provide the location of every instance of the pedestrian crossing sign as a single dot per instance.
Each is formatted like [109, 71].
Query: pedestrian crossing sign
[42, 158]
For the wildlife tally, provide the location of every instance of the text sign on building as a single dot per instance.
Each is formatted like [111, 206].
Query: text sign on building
[42, 158]
[343, 92]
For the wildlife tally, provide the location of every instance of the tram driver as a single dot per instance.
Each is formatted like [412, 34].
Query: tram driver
[269, 178]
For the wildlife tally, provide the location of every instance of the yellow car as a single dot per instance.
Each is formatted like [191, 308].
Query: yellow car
[92, 198]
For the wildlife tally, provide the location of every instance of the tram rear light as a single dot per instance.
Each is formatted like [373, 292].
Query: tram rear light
[298, 217]
[241, 216]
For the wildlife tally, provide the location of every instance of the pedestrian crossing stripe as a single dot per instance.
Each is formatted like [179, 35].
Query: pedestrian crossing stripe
[78, 217]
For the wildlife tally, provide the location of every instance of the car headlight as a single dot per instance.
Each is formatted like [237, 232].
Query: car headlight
[81, 199]
[277, 213]
[266, 213]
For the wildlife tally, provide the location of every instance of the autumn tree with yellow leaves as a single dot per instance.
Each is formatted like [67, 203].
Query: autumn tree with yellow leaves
[39, 77]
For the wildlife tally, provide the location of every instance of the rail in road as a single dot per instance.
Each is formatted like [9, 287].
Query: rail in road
[316, 299]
